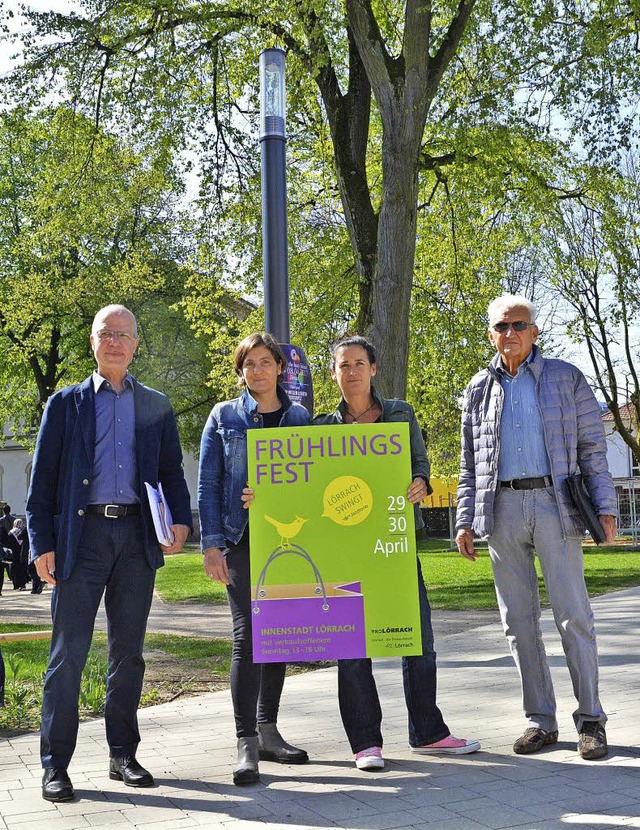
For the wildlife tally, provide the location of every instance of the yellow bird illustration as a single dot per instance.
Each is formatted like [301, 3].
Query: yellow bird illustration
[287, 530]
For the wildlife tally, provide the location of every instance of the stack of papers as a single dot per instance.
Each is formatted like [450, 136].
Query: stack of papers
[162, 519]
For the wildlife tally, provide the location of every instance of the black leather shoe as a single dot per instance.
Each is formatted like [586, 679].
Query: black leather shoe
[127, 769]
[273, 747]
[56, 785]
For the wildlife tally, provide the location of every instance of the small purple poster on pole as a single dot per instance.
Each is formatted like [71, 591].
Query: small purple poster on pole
[297, 381]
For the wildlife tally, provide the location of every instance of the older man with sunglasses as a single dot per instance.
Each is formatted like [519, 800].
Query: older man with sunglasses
[529, 422]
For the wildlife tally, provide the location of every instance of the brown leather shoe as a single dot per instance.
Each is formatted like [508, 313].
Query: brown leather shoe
[534, 739]
[592, 741]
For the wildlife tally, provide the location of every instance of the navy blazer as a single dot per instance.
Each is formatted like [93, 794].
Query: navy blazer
[63, 466]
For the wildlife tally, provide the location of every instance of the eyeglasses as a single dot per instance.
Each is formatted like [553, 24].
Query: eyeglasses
[116, 336]
[517, 325]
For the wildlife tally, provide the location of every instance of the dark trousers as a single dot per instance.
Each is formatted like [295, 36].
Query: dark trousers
[255, 687]
[110, 561]
[19, 574]
[358, 695]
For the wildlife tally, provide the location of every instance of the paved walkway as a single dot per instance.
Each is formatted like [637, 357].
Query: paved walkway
[189, 746]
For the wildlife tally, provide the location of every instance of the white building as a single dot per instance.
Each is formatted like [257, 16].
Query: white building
[621, 460]
[15, 474]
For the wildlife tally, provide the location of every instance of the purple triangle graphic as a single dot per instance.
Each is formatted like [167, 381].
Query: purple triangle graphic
[351, 586]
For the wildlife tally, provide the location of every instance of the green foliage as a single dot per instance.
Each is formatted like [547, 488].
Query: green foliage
[523, 101]
[26, 663]
[87, 221]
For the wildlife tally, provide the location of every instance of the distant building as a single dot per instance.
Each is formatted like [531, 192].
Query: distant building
[15, 475]
[622, 462]
[625, 471]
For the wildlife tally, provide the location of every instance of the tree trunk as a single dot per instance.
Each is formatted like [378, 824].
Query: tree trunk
[393, 277]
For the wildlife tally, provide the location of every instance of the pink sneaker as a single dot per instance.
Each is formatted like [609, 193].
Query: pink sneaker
[370, 758]
[449, 746]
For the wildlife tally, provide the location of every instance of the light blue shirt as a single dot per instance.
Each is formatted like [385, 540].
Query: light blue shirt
[522, 450]
[115, 470]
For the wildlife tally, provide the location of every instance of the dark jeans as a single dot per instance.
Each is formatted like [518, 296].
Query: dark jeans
[358, 695]
[111, 560]
[255, 687]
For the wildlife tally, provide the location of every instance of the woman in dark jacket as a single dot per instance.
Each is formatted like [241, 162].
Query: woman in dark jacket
[353, 367]
[222, 497]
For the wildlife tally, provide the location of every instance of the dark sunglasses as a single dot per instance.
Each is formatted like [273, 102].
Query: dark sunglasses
[518, 325]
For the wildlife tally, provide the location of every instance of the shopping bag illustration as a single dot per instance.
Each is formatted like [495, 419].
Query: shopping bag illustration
[315, 620]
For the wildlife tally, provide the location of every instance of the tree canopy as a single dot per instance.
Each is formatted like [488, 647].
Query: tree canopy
[431, 144]
[84, 222]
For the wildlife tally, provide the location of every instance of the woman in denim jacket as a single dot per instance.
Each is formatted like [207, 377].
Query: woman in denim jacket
[353, 366]
[222, 502]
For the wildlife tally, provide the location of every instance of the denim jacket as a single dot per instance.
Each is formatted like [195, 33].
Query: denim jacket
[223, 465]
[394, 410]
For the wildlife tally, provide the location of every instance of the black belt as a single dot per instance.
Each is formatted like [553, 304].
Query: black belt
[528, 483]
[114, 511]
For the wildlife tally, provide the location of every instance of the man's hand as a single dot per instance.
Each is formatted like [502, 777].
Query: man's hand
[417, 490]
[609, 526]
[180, 535]
[464, 541]
[46, 566]
[215, 565]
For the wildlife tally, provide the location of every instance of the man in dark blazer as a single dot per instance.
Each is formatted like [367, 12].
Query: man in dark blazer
[91, 531]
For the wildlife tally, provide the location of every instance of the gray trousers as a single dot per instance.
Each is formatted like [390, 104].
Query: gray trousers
[527, 521]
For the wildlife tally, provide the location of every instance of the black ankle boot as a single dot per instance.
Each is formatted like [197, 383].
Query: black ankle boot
[246, 770]
[273, 746]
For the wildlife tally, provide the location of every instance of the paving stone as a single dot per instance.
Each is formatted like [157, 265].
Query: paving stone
[189, 745]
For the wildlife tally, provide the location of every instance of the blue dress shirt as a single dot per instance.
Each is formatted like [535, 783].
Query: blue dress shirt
[522, 449]
[115, 471]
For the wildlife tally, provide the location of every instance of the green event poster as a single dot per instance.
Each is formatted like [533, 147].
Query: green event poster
[333, 557]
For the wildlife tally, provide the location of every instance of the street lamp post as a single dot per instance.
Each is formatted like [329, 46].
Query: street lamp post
[274, 193]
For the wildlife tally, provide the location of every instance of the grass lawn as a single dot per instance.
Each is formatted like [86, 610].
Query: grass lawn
[183, 580]
[456, 583]
[174, 665]
[453, 582]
